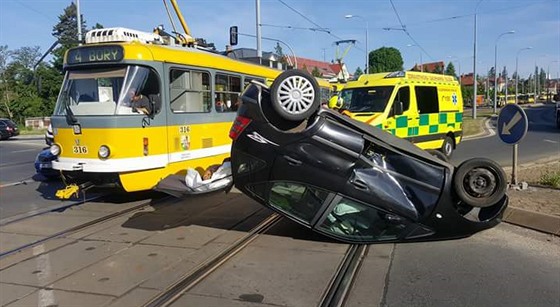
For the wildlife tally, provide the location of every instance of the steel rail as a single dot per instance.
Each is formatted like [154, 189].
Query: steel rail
[337, 291]
[24, 216]
[78, 227]
[191, 279]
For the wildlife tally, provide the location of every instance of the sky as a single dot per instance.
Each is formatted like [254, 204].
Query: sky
[439, 30]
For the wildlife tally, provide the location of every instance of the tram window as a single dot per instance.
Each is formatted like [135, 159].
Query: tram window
[189, 91]
[141, 92]
[228, 91]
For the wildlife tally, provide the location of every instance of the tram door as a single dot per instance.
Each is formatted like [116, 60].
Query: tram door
[189, 107]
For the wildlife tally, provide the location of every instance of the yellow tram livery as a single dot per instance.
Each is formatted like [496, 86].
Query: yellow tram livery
[134, 108]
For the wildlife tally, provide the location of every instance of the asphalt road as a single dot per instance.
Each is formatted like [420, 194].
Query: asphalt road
[542, 141]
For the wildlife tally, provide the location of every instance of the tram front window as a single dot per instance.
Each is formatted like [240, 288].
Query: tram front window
[106, 91]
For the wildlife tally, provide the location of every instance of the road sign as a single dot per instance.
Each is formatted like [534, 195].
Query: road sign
[512, 124]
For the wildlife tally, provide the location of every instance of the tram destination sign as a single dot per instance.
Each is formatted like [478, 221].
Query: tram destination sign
[94, 54]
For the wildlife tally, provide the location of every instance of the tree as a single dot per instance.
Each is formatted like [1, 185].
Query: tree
[542, 79]
[66, 31]
[358, 73]
[5, 54]
[385, 59]
[450, 70]
[282, 57]
[438, 69]
[316, 72]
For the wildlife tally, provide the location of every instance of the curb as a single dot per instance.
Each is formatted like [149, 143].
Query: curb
[546, 223]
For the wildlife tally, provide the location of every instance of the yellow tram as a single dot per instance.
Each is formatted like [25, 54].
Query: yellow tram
[189, 99]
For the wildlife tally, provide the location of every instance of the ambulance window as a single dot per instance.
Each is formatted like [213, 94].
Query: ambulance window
[427, 99]
[403, 95]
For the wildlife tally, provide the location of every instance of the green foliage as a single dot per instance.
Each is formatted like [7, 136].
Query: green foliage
[66, 32]
[438, 69]
[278, 50]
[385, 59]
[467, 92]
[316, 72]
[28, 93]
[358, 73]
[450, 70]
[551, 178]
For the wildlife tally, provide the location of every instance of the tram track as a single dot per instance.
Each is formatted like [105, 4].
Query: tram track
[76, 228]
[199, 273]
[339, 287]
[55, 208]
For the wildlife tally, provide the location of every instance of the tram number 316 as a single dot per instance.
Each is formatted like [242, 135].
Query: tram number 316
[80, 149]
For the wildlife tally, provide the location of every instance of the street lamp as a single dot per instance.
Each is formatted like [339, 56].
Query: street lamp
[496, 67]
[421, 65]
[474, 63]
[367, 26]
[517, 73]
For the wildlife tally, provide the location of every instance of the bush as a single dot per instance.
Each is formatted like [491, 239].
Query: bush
[551, 178]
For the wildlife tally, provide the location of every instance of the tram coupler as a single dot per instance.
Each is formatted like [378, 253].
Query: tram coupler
[73, 189]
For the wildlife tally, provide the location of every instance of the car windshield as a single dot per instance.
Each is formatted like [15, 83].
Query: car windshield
[372, 99]
[102, 91]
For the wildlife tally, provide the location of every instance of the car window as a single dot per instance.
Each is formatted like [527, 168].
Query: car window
[296, 199]
[360, 222]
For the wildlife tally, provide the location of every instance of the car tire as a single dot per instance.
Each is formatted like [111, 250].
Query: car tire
[447, 147]
[479, 182]
[295, 95]
[558, 120]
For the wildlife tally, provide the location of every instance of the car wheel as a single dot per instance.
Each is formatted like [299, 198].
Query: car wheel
[295, 95]
[447, 147]
[480, 182]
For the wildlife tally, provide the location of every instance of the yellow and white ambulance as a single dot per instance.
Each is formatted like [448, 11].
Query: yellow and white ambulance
[424, 108]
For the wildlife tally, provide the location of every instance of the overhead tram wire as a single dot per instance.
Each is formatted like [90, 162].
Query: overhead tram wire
[403, 27]
[319, 28]
[470, 15]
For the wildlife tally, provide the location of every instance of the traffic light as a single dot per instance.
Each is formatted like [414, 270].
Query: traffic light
[233, 35]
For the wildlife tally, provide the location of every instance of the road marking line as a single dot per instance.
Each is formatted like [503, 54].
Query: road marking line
[551, 141]
[45, 297]
[24, 150]
[16, 183]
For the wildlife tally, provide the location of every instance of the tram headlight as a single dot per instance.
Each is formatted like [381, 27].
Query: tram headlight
[104, 152]
[55, 150]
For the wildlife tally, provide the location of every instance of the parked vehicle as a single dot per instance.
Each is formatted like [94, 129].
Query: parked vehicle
[350, 180]
[8, 129]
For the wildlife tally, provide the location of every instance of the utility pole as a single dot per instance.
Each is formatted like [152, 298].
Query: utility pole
[259, 50]
[79, 19]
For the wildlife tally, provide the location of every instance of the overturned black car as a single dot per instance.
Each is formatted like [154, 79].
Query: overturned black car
[351, 181]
